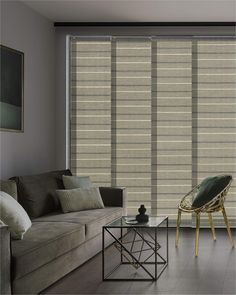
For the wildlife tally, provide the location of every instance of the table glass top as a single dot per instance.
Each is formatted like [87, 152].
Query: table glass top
[128, 221]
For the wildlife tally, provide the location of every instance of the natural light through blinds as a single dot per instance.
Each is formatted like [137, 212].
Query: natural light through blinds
[132, 96]
[91, 109]
[214, 114]
[156, 115]
[171, 125]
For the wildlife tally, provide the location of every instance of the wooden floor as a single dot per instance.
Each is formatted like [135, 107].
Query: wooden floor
[213, 272]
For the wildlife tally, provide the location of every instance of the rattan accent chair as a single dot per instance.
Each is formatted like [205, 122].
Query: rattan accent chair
[214, 205]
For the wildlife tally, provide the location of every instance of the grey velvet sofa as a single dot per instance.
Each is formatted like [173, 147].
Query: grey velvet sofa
[57, 243]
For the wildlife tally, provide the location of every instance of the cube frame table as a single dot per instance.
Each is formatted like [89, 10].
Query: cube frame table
[154, 223]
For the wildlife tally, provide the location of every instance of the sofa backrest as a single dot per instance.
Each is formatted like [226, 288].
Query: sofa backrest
[36, 193]
[9, 187]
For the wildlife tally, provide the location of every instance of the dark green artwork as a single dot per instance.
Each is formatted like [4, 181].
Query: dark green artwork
[11, 99]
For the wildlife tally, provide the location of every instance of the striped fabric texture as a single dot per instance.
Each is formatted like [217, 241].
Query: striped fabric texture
[214, 115]
[172, 125]
[90, 92]
[154, 115]
[132, 127]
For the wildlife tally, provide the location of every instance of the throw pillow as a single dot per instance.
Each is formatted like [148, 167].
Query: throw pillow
[71, 182]
[36, 193]
[13, 215]
[210, 188]
[80, 199]
[9, 187]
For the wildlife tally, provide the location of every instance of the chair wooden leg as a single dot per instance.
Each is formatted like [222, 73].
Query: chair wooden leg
[212, 226]
[228, 227]
[197, 233]
[177, 228]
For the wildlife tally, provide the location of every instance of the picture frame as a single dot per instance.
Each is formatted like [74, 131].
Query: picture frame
[12, 90]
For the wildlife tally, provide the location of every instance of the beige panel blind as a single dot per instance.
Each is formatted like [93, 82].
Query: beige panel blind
[214, 117]
[91, 109]
[156, 116]
[171, 125]
[132, 142]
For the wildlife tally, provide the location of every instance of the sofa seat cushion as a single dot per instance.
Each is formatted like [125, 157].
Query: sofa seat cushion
[44, 242]
[93, 220]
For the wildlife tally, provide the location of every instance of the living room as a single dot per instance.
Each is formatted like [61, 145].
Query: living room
[117, 147]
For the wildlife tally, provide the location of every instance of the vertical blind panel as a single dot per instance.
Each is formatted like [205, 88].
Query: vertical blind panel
[214, 121]
[91, 109]
[156, 116]
[171, 125]
[132, 141]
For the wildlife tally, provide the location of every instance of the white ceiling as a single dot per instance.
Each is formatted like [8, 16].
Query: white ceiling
[135, 11]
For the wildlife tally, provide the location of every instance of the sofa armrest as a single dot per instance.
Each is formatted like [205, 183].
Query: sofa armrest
[114, 197]
[5, 260]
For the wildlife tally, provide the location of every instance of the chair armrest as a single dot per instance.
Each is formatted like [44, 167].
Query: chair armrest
[114, 197]
[5, 260]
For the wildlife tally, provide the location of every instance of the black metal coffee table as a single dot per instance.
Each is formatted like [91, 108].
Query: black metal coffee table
[142, 250]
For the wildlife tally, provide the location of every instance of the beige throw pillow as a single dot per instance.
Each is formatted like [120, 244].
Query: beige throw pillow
[13, 215]
[80, 199]
[71, 182]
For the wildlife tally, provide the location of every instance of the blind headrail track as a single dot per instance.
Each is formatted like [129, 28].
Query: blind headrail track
[150, 37]
[144, 24]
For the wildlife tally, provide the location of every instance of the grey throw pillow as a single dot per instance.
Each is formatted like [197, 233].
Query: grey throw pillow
[9, 187]
[71, 182]
[13, 215]
[80, 199]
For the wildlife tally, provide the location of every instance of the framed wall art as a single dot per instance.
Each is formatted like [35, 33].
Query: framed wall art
[12, 90]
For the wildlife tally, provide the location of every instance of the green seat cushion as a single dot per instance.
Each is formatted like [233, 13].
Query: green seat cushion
[209, 188]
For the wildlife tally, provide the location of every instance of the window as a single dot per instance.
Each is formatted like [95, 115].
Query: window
[132, 96]
[154, 115]
[91, 110]
[214, 114]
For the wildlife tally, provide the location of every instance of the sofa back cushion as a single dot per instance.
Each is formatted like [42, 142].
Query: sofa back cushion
[37, 193]
[9, 187]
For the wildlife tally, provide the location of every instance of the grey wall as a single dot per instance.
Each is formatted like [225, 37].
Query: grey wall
[32, 151]
[62, 121]
[136, 10]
